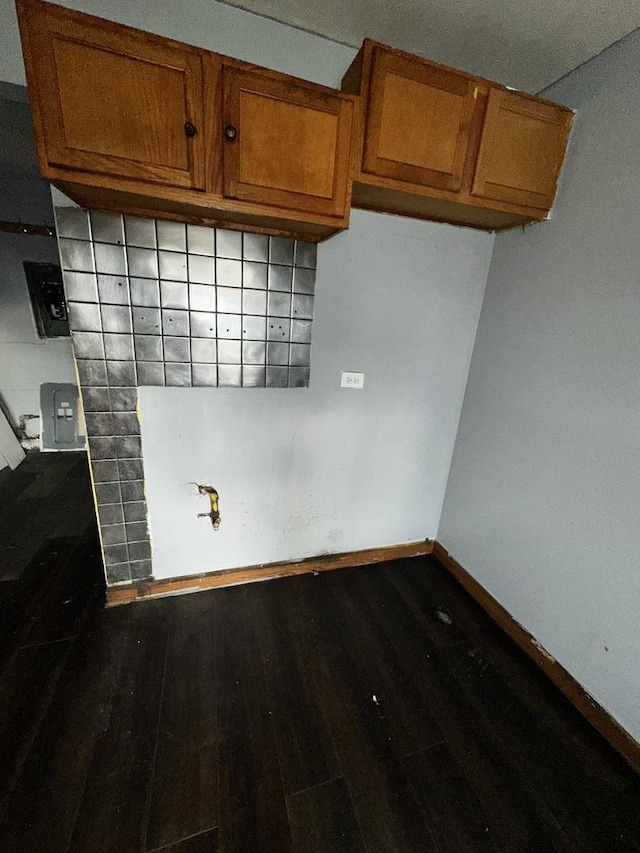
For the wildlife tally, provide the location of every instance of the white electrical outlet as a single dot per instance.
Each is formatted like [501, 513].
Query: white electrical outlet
[349, 379]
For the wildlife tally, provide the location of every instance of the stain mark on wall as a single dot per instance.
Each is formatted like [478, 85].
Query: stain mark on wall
[214, 498]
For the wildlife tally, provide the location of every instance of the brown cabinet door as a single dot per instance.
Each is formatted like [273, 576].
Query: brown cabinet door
[419, 119]
[286, 143]
[113, 101]
[521, 150]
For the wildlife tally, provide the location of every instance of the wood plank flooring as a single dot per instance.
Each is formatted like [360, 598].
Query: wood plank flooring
[369, 710]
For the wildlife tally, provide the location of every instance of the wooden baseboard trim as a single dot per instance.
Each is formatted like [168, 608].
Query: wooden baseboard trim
[601, 720]
[230, 577]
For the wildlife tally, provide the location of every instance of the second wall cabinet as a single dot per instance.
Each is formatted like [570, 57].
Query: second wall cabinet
[441, 144]
[286, 142]
[131, 121]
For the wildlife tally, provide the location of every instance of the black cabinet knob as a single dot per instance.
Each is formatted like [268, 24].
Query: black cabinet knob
[230, 132]
[190, 129]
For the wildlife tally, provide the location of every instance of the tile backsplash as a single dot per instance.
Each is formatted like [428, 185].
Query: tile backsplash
[153, 302]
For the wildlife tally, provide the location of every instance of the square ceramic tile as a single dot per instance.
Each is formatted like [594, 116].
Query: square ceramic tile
[150, 373]
[140, 232]
[281, 250]
[135, 511]
[124, 399]
[171, 235]
[228, 272]
[104, 470]
[203, 324]
[146, 321]
[230, 374]
[110, 259]
[254, 302]
[177, 374]
[125, 423]
[306, 254]
[148, 347]
[106, 227]
[229, 352]
[229, 326]
[92, 372]
[175, 323]
[173, 294]
[304, 280]
[96, 399]
[202, 269]
[279, 304]
[278, 329]
[204, 375]
[102, 447]
[277, 354]
[302, 307]
[228, 243]
[116, 318]
[111, 514]
[253, 376]
[201, 240]
[300, 355]
[204, 350]
[277, 377]
[113, 289]
[143, 263]
[202, 297]
[132, 490]
[76, 255]
[253, 352]
[118, 347]
[88, 345]
[280, 278]
[298, 377]
[255, 247]
[145, 292]
[176, 349]
[301, 331]
[173, 265]
[255, 275]
[84, 317]
[254, 328]
[72, 222]
[128, 446]
[80, 286]
[122, 373]
[229, 300]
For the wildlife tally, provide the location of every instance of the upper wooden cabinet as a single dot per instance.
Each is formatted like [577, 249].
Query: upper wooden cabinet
[114, 101]
[286, 142]
[130, 121]
[418, 121]
[521, 150]
[441, 144]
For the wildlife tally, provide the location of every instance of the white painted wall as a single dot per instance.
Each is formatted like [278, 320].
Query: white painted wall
[325, 470]
[26, 361]
[203, 23]
[543, 500]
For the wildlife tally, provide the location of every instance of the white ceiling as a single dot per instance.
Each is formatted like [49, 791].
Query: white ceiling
[527, 44]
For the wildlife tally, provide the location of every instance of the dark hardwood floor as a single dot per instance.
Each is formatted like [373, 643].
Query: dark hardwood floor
[370, 710]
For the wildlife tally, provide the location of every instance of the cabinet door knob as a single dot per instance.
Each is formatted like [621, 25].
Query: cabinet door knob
[190, 129]
[230, 132]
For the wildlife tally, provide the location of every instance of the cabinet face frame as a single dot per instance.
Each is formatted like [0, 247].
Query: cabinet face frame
[525, 109]
[41, 25]
[386, 62]
[240, 79]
